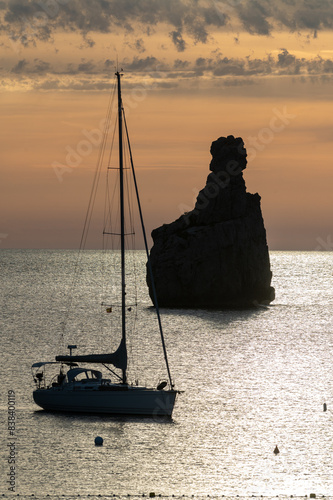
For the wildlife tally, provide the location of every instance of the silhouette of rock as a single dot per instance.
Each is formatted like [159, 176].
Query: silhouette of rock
[216, 255]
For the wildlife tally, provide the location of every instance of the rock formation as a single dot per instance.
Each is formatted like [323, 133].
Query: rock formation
[216, 255]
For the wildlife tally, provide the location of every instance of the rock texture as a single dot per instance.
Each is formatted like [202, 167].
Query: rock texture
[215, 256]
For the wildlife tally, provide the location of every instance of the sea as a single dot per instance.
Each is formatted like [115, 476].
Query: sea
[252, 382]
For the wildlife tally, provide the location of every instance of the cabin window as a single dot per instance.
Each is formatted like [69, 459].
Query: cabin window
[81, 376]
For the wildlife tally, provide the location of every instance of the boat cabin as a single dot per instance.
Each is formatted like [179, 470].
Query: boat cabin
[83, 375]
[79, 377]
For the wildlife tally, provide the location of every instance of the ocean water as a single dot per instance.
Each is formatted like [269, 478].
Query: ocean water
[252, 380]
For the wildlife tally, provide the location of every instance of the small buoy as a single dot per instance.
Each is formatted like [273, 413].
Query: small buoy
[325, 407]
[276, 450]
[98, 441]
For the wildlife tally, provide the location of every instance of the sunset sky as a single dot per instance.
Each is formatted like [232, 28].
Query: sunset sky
[194, 70]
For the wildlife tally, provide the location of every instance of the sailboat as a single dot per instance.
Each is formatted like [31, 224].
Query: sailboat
[81, 389]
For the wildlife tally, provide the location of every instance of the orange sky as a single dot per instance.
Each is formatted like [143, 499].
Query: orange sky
[180, 93]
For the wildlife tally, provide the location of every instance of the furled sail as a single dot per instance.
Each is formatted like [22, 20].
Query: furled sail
[117, 358]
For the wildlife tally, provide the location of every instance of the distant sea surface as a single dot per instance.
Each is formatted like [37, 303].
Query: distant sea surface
[252, 380]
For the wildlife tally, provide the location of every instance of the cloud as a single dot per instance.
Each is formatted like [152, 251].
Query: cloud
[159, 73]
[143, 64]
[180, 64]
[285, 59]
[178, 40]
[314, 15]
[196, 20]
[139, 45]
[229, 67]
[88, 42]
[41, 66]
[19, 67]
[109, 64]
[86, 67]
[254, 16]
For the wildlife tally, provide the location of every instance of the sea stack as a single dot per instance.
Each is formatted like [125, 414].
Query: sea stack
[216, 255]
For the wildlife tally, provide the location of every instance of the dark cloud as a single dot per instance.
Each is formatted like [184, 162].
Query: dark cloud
[178, 40]
[203, 62]
[88, 42]
[262, 17]
[150, 69]
[142, 64]
[30, 20]
[320, 66]
[257, 67]
[139, 45]
[290, 64]
[228, 66]
[284, 63]
[314, 14]
[254, 15]
[285, 59]
[20, 66]
[180, 64]
[41, 66]
[109, 64]
[86, 67]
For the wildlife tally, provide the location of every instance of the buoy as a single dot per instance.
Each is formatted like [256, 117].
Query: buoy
[98, 441]
[151, 494]
[312, 495]
[276, 450]
[325, 407]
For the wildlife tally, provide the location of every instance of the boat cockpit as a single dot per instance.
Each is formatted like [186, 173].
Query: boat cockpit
[77, 376]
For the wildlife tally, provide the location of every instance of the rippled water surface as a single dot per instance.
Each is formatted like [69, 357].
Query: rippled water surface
[251, 380]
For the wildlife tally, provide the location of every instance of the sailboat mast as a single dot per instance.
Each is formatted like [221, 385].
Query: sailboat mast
[122, 221]
[148, 256]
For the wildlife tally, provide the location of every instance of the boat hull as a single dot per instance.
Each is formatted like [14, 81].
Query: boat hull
[132, 401]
